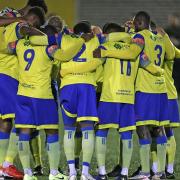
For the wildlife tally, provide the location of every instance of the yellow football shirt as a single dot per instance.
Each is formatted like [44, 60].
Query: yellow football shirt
[85, 55]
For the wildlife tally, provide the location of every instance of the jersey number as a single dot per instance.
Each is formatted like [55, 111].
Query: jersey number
[158, 49]
[77, 57]
[128, 71]
[29, 57]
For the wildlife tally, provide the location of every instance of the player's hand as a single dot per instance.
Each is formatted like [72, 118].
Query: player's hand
[160, 31]
[97, 53]
[129, 24]
[87, 37]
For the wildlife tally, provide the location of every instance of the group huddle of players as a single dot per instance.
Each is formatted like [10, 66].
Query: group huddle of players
[43, 64]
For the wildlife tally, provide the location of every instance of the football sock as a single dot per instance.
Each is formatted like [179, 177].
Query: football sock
[69, 145]
[24, 152]
[4, 141]
[154, 159]
[100, 146]
[12, 149]
[34, 145]
[161, 152]
[154, 162]
[171, 151]
[53, 149]
[127, 149]
[87, 148]
[78, 146]
[145, 154]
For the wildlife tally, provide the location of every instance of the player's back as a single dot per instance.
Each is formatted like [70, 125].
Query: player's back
[119, 78]
[83, 56]
[8, 63]
[155, 50]
[34, 70]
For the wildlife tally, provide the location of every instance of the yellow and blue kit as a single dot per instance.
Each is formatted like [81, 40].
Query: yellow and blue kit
[150, 89]
[8, 71]
[173, 109]
[36, 107]
[77, 94]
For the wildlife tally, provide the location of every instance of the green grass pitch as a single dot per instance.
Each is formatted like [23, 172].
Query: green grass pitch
[112, 152]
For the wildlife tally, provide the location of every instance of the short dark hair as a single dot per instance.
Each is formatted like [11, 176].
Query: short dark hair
[82, 27]
[39, 12]
[49, 30]
[39, 3]
[112, 27]
[144, 16]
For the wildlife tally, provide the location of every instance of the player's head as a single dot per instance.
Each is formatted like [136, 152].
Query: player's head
[141, 21]
[38, 3]
[96, 30]
[112, 27]
[35, 17]
[49, 30]
[82, 27]
[33, 3]
[56, 21]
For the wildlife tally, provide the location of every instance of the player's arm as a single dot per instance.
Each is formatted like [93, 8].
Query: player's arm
[118, 36]
[83, 67]
[170, 52]
[8, 20]
[177, 52]
[146, 64]
[130, 53]
[26, 30]
[65, 52]
[169, 47]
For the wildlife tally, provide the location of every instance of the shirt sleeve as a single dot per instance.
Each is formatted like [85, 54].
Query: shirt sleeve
[18, 29]
[138, 39]
[146, 64]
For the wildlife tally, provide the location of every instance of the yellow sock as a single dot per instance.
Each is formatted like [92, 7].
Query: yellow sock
[171, 152]
[34, 145]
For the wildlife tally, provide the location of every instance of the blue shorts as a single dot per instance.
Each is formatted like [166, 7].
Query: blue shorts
[116, 115]
[8, 93]
[78, 102]
[36, 113]
[173, 112]
[151, 109]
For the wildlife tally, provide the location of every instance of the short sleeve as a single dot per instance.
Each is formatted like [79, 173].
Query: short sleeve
[139, 40]
[18, 29]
